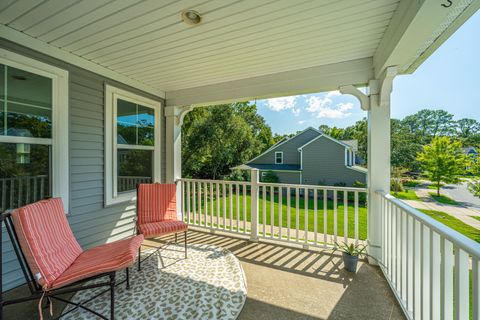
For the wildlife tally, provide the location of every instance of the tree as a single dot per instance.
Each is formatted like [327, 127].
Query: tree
[217, 138]
[474, 184]
[442, 161]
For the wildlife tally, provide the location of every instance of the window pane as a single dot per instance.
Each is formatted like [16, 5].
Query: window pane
[27, 104]
[135, 124]
[145, 126]
[126, 122]
[24, 174]
[133, 167]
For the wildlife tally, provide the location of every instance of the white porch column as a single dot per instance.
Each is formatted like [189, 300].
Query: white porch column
[173, 148]
[377, 103]
[254, 178]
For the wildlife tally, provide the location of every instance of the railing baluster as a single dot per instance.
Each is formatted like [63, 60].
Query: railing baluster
[476, 288]
[315, 215]
[217, 192]
[211, 205]
[205, 204]
[199, 202]
[356, 215]
[345, 216]
[230, 189]
[189, 195]
[244, 208]
[280, 212]
[305, 204]
[4, 206]
[417, 293]
[237, 211]
[289, 226]
[335, 218]
[325, 216]
[297, 212]
[264, 210]
[435, 260]
[194, 200]
[272, 210]
[462, 281]
[224, 218]
[446, 279]
[426, 272]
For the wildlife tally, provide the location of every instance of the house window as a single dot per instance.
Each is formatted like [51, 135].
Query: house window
[132, 143]
[33, 131]
[279, 157]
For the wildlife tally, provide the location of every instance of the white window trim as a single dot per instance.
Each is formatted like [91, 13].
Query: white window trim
[60, 149]
[111, 96]
[278, 152]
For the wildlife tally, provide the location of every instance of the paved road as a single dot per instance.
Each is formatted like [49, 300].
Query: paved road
[460, 193]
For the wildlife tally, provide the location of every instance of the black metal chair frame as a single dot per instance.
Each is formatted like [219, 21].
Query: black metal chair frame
[36, 292]
[158, 248]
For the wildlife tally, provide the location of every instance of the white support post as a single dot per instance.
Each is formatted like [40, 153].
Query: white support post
[254, 191]
[377, 103]
[173, 148]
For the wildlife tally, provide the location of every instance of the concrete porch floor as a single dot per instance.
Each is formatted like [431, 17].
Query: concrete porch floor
[287, 283]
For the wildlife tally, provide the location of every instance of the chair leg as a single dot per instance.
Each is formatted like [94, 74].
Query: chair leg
[128, 278]
[139, 258]
[185, 244]
[112, 296]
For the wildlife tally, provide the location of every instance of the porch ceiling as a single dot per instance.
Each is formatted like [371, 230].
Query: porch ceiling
[147, 42]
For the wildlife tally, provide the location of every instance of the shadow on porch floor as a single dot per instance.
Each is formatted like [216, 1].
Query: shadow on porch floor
[288, 283]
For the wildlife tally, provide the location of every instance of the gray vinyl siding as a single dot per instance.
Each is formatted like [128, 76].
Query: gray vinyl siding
[289, 149]
[324, 161]
[287, 177]
[91, 222]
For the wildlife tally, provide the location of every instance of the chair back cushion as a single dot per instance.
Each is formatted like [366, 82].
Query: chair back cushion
[46, 239]
[156, 202]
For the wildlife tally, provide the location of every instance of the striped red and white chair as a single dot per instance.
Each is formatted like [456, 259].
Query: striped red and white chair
[157, 212]
[53, 262]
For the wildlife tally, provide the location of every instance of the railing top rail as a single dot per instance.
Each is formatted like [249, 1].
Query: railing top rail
[283, 185]
[458, 239]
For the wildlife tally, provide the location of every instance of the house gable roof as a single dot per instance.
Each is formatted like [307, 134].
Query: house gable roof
[282, 142]
[328, 137]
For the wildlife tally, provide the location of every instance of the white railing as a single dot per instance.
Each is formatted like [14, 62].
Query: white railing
[18, 191]
[128, 183]
[432, 269]
[276, 211]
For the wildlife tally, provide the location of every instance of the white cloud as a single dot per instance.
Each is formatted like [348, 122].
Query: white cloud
[284, 103]
[323, 106]
[301, 121]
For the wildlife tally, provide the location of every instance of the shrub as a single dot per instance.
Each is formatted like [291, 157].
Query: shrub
[270, 177]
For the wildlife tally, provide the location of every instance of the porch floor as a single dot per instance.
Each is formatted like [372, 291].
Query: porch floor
[288, 283]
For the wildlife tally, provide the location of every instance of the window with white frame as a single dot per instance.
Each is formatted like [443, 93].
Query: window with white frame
[33, 131]
[279, 157]
[132, 143]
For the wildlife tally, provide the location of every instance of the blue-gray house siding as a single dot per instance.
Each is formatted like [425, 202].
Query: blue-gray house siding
[91, 222]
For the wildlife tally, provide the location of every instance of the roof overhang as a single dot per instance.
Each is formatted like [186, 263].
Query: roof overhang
[242, 49]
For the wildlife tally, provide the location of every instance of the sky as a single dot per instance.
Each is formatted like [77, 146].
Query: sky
[449, 79]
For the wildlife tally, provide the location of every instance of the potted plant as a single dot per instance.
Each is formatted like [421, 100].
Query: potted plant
[350, 254]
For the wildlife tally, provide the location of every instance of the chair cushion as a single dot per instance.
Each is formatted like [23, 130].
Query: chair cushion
[156, 202]
[155, 229]
[46, 239]
[105, 258]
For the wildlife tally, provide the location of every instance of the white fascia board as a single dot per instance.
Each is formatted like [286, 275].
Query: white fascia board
[358, 169]
[283, 142]
[301, 81]
[52, 51]
[416, 30]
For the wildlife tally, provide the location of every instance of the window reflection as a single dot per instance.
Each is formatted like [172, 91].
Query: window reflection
[135, 124]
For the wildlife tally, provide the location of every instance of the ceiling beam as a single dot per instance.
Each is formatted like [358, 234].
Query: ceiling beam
[418, 28]
[302, 81]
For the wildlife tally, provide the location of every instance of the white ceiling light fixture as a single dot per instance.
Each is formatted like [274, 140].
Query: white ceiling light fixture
[191, 17]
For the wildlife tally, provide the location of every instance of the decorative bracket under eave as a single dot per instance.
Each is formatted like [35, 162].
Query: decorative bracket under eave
[178, 112]
[386, 84]
[362, 97]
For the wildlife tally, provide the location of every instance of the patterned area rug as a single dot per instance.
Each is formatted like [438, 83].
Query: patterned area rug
[210, 284]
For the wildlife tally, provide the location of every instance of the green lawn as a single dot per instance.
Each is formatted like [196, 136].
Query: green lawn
[434, 187]
[476, 217]
[411, 183]
[454, 223]
[443, 199]
[362, 214]
[408, 194]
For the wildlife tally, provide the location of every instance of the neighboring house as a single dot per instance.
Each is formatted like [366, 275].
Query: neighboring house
[311, 157]
[471, 152]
